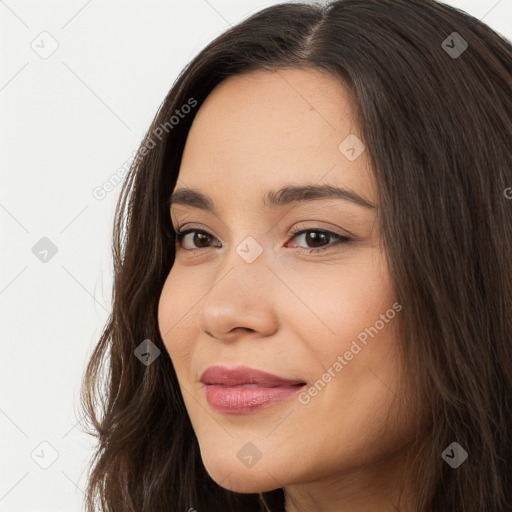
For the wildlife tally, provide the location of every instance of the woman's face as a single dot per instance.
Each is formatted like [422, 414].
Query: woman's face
[311, 308]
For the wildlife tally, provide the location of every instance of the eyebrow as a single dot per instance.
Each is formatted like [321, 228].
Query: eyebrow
[274, 198]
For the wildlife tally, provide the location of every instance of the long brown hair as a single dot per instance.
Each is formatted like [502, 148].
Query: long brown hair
[432, 90]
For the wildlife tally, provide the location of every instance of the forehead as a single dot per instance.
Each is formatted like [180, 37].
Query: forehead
[265, 130]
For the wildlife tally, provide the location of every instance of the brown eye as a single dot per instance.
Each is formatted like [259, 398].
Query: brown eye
[316, 239]
[319, 241]
[200, 239]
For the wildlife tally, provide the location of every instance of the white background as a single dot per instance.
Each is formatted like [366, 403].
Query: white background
[68, 123]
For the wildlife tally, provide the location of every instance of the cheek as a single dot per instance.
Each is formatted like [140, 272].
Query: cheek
[345, 305]
[351, 341]
[175, 321]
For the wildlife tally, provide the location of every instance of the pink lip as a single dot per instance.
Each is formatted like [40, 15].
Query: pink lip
[243, 390]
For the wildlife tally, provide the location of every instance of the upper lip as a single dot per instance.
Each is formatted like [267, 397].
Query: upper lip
[244, 375]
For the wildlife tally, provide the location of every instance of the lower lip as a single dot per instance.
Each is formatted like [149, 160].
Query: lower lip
[245, 399]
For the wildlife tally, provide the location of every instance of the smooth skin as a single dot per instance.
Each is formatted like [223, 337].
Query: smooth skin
[289, 312]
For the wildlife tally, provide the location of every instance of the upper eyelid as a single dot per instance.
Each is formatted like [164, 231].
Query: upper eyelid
[179, 223]
[179, 216]
[294, 232]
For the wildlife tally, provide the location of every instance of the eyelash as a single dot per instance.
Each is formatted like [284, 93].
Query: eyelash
[299, 231]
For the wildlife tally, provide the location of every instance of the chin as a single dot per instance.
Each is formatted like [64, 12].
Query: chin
[232, 475]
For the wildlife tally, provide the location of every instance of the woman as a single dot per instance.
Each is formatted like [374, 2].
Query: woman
[313, 286]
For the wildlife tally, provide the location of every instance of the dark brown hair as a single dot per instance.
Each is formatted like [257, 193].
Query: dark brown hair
[436, 118]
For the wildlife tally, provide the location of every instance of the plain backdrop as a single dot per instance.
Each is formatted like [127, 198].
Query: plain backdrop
[80, 83]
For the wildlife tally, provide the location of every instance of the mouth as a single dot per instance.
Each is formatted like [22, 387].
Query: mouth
[244, 390]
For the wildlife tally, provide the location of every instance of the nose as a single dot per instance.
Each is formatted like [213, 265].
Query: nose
[244, 300]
